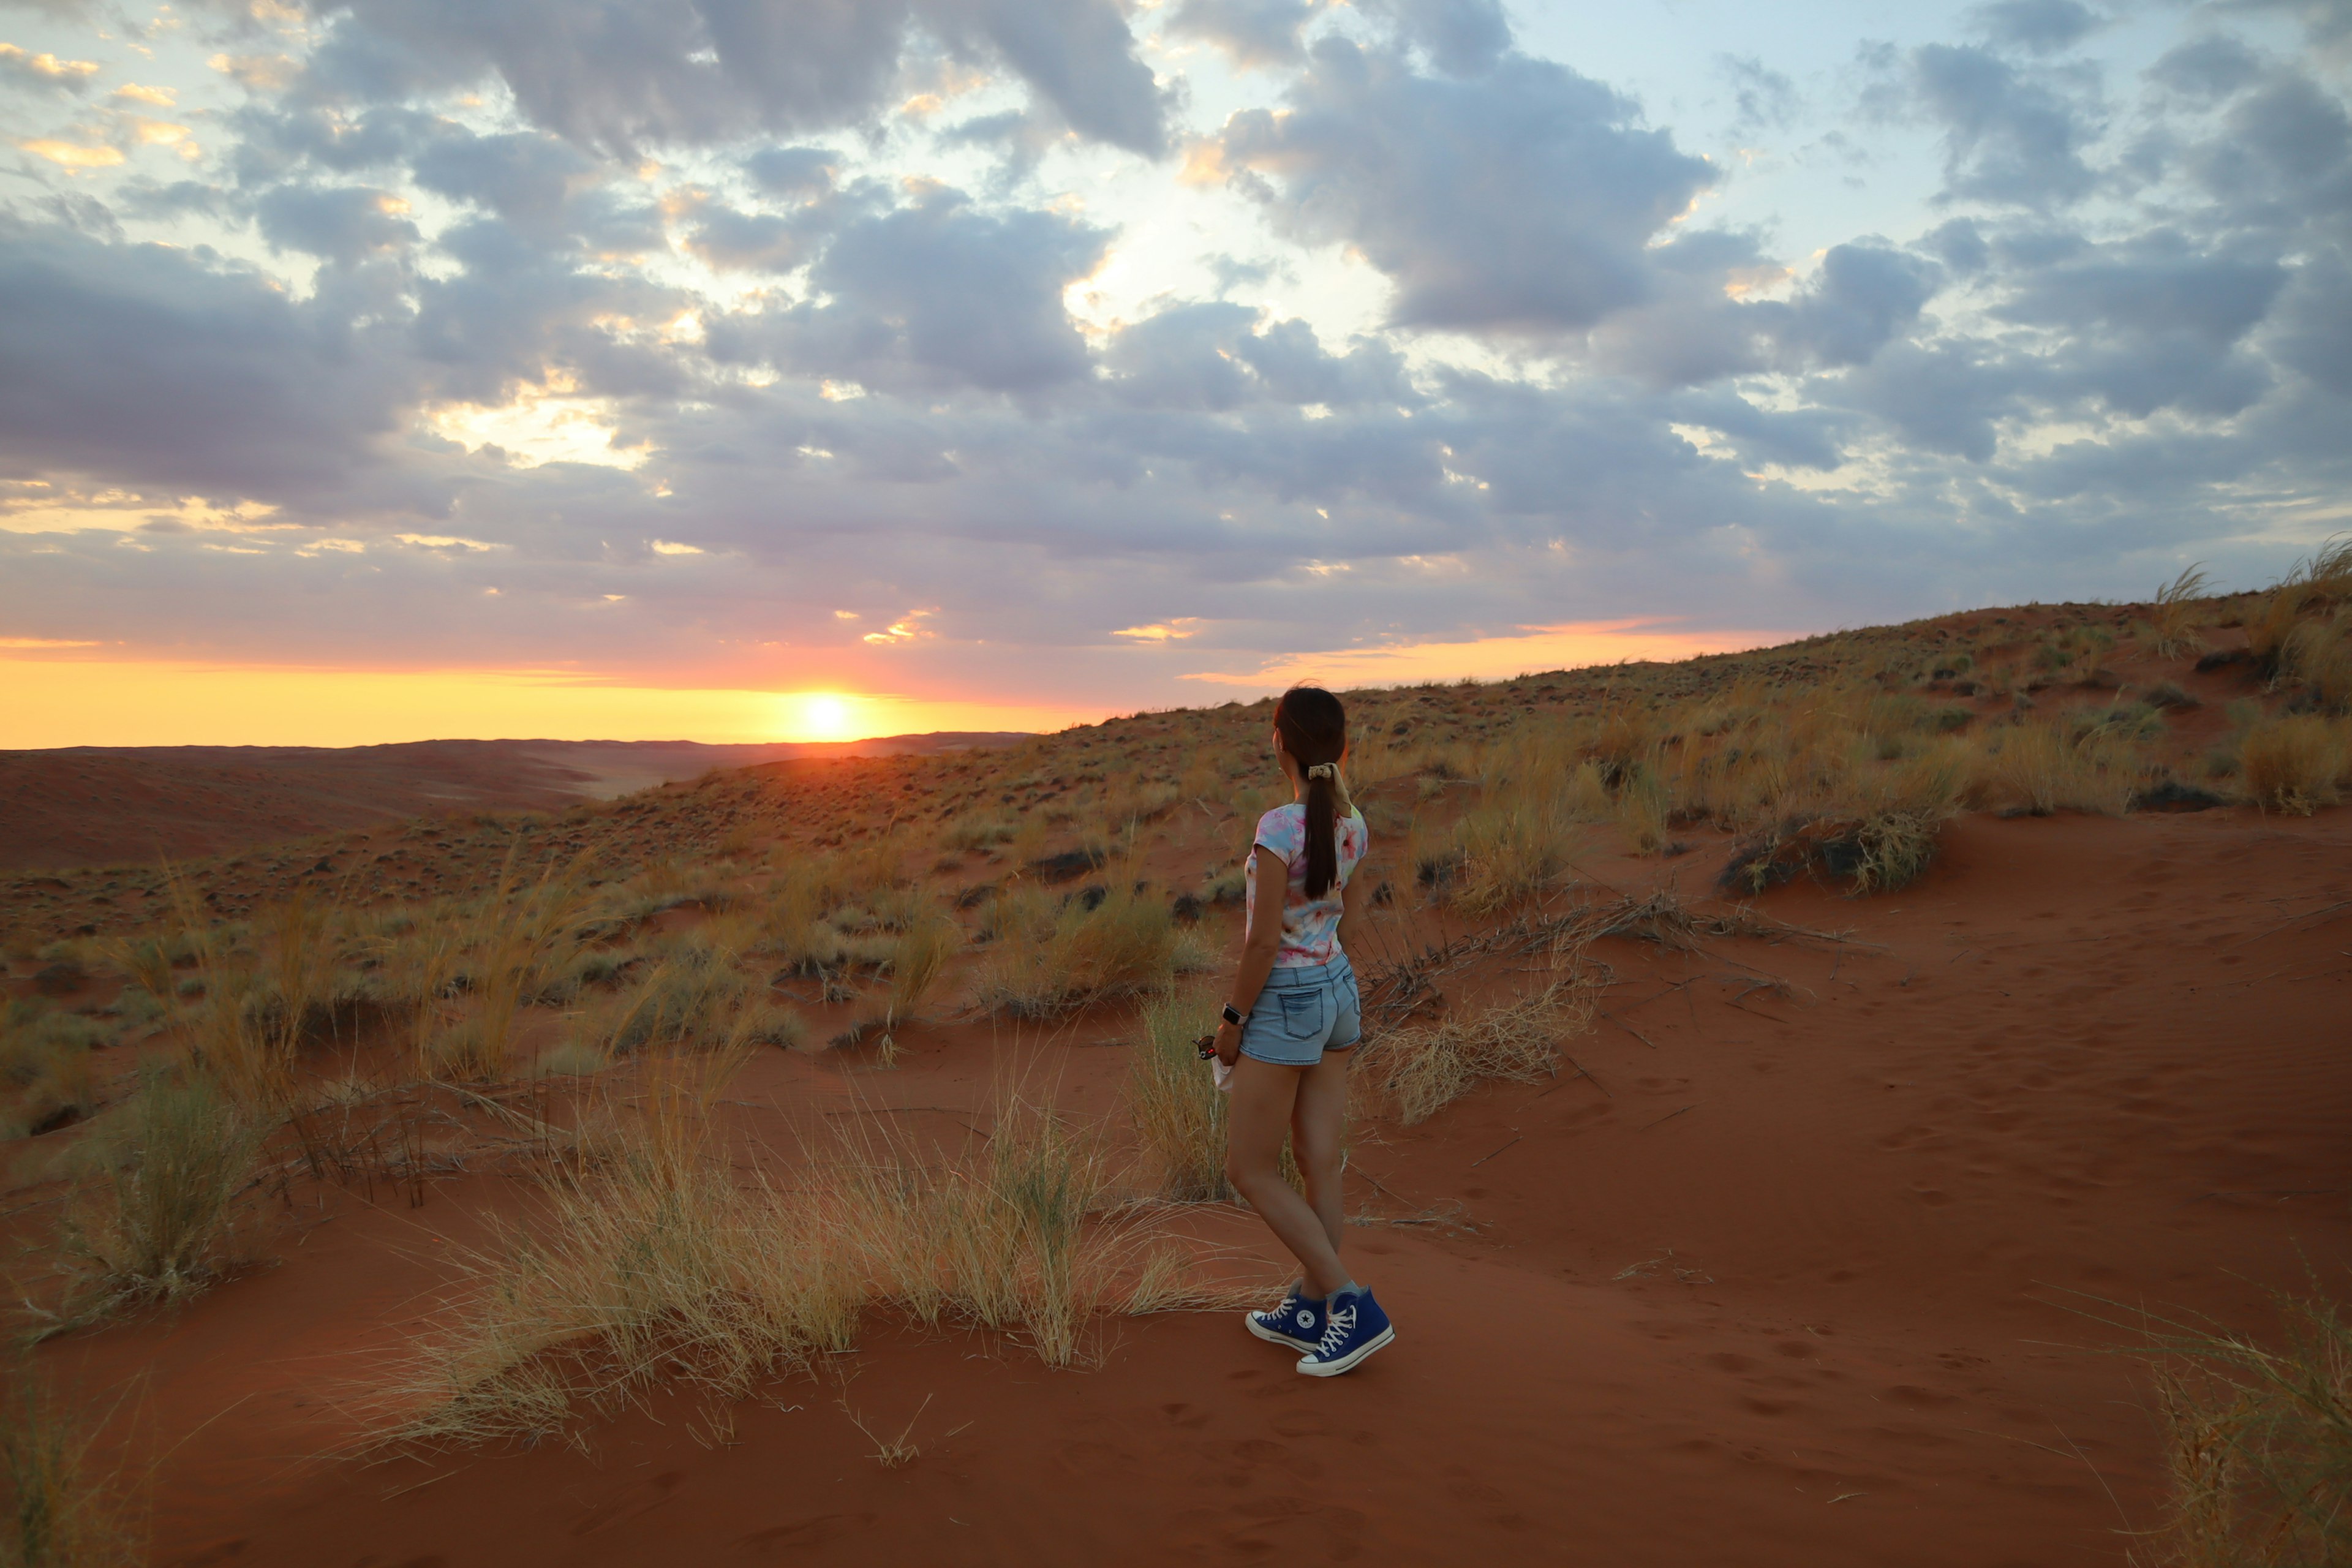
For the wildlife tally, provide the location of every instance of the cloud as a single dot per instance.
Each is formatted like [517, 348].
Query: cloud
[2037, 27]
[44, 72]
[1521, 202]
[937, 293]
[344, 225]
[141, 362]
[742, 316]
[2009, 136]
[1460, 37]
[1255, 34]
[630, 74]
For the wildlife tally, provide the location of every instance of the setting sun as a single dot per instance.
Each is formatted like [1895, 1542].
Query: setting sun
[821, 716]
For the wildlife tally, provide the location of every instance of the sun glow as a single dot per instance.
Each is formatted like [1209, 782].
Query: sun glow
[822, 715]
[61, 696]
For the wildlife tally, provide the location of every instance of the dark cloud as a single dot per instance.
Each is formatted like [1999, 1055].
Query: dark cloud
[804, 172]
[2009, 137]
[1522, 201]
[143, 363]
[624, 74]
[344, 225]
[1762, 99]
[935, 294]
[1460, 37]
[2211, 67]
[2039, 27]
[1253, 33]
[526, 178]
[1211, 357]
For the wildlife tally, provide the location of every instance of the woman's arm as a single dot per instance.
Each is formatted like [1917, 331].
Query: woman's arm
[1270, 877]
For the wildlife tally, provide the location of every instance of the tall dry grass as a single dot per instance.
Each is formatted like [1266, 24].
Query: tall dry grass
[1052, 955]
[1178, 1115]
[1420, 1069]
[2173, 614]
[2258, 1443]
[162, 1224]
[2068, 764]
[659, 1262]
[516, 939]
[64, 1507]
[918, 958]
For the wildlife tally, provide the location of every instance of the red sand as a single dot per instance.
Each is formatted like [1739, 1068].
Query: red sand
[1789, 1280]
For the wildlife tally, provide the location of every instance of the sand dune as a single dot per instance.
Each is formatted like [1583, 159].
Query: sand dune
[97, 805]
[1818, 1248]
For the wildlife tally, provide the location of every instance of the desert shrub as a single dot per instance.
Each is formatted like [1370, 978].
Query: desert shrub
[2044, 765]
[1423, 1067]
[63, 1509]
[2295, 764]
[1050, 958]
[1178, 1115]
[2258, 1442]
[161, 1225]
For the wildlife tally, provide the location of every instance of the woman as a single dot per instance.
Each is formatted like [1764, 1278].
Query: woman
[1294, 1015]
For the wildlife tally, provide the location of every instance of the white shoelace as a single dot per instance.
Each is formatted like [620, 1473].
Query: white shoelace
[1338, 1322]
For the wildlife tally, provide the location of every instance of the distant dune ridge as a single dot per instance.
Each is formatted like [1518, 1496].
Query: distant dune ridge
[98, 806]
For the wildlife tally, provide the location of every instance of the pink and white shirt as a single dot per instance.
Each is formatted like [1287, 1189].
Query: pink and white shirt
[1310, 926]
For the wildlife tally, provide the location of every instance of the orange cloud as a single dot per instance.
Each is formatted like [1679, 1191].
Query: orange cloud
[1571, 645]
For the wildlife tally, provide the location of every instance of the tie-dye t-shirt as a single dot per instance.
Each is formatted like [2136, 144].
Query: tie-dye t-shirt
[1310, 928]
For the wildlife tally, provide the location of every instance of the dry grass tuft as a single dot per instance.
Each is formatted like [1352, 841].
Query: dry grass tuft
[1178, 1115]
[1054, 955]
[2295, 764]
[161, 1226]
[2258, 1443]
[657, 1263]
[2173, 614]
[1422, 1069]
[2081, 763]
[63, 1510]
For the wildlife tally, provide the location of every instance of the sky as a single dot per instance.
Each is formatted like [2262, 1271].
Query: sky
[738, 369]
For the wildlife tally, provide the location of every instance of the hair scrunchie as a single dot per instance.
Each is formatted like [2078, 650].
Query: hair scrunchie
[1324, 771]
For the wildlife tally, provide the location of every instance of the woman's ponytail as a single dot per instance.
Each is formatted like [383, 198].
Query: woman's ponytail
[1314, 729]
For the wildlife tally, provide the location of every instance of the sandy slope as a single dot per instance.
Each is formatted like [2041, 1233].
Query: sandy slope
[1785, 1279]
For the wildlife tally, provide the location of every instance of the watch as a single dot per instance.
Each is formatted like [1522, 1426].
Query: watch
[1232, 1017]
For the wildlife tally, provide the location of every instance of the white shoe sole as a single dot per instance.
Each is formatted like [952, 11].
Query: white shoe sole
[1348, 1362]
[1272, 1337]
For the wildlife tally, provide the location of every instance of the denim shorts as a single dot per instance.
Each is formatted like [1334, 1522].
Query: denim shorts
[1302, 1012]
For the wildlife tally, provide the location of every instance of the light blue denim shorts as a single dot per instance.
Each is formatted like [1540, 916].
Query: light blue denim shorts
[1302, 1012]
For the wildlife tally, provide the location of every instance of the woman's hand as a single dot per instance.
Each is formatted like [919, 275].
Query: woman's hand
[1229, 1042]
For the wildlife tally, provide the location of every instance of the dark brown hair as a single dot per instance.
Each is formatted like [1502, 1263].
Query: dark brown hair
[1314, 730]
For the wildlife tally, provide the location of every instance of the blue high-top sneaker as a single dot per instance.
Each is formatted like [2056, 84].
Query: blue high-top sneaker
[1297, 1322]
[1353, 1328]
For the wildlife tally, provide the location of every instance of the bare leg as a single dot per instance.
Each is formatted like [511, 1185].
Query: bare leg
[1317, 1117]
[1262, 1099]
